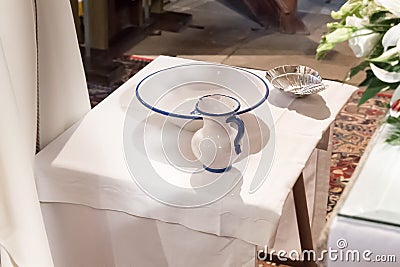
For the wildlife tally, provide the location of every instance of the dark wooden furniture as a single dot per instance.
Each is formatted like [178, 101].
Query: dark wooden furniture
[277, 13]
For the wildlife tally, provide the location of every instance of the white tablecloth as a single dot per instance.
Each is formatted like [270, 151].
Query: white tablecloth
[81, 236]
[86, 165]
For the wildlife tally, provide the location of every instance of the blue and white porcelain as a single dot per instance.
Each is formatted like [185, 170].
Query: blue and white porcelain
[175, 91]
[217, 144]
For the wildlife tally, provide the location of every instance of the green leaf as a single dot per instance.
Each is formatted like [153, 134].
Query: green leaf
[378, 16]
[374, 86]
[353, 71]
[378, 50]
[395, 141]
[383, 25]
[394, 138]
[322, 48]
[395, 68]
[393, 120]
[369, 75]
[393, 86]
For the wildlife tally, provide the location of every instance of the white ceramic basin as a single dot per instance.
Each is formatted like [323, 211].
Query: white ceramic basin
[174, 91]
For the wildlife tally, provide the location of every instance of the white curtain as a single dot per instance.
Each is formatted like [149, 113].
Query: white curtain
[51, 61]
[63, 93]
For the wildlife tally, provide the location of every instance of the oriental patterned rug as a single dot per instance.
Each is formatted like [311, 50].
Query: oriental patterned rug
[354, 127]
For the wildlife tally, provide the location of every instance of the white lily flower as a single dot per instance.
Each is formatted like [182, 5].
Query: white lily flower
[392, 5]
[391, 37]
[386, 56]
[345, 9]
[384, 75]
[356, 21]
[363, 40]
[339, 35]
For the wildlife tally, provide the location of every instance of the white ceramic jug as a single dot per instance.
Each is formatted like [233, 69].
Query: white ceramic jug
[217, 145]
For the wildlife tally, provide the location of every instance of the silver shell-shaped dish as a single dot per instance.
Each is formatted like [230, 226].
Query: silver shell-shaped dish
[296, 79]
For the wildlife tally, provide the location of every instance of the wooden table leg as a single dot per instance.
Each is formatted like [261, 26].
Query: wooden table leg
[277, 13]
[303, 220]
[290, 22]
[301, 210]
[304, 228]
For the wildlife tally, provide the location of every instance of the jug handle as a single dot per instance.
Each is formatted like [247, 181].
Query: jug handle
[240, 127]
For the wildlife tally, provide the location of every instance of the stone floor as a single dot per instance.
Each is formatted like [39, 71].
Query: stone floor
[219, 33]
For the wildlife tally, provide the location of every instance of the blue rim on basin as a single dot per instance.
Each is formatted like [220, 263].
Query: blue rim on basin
[235, 77]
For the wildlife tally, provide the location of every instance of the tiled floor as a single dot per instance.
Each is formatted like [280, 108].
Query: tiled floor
[220, 34]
